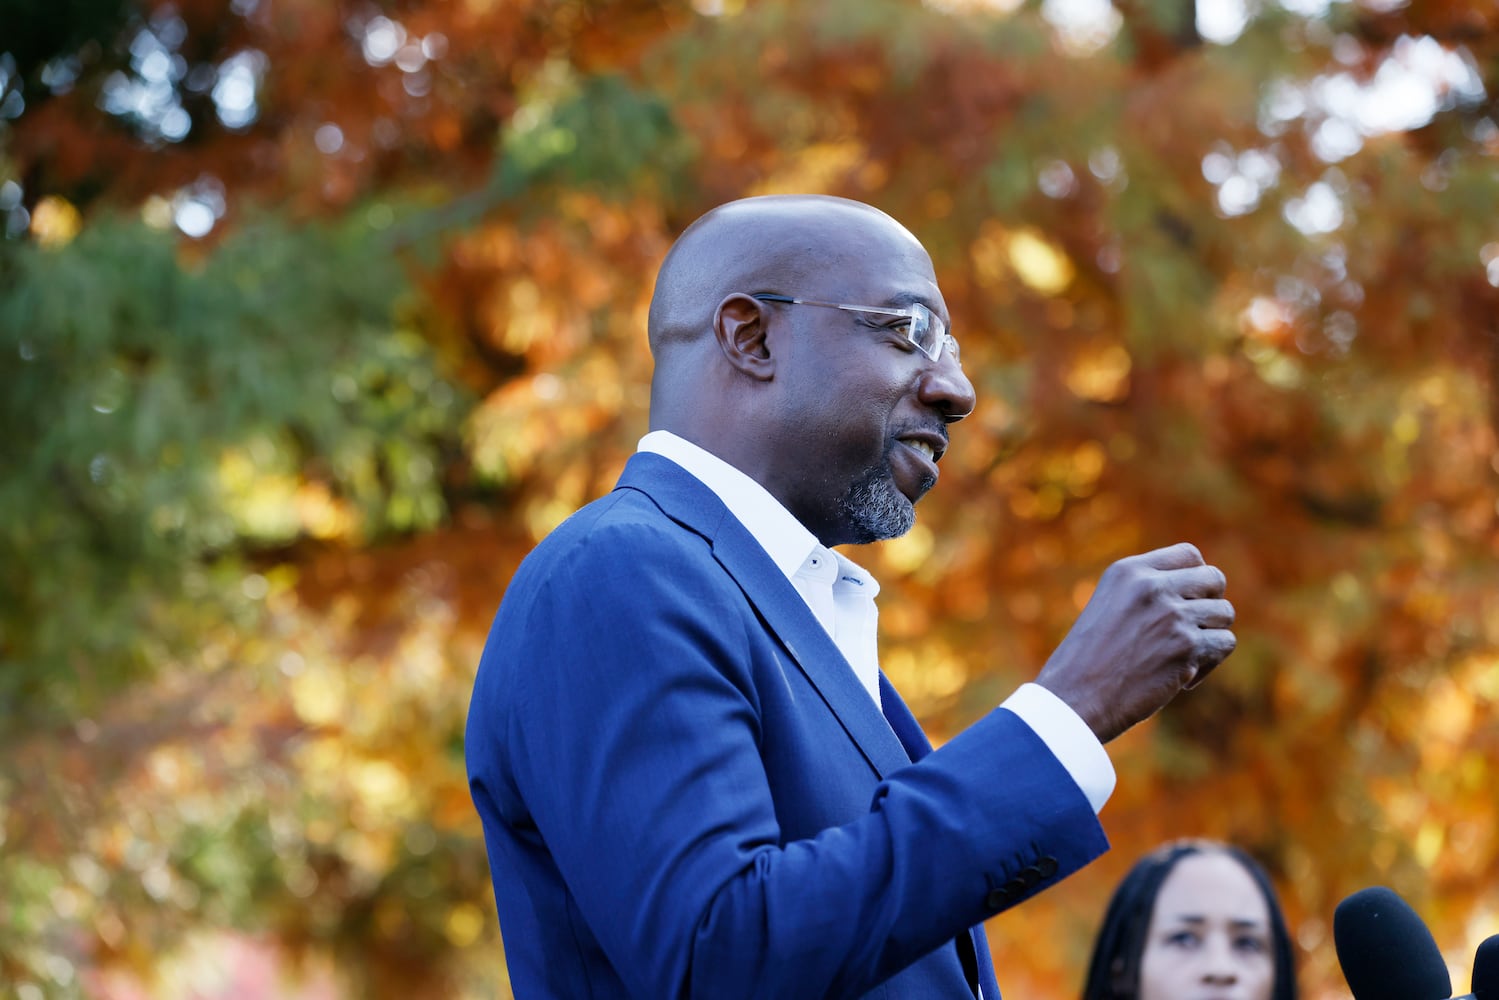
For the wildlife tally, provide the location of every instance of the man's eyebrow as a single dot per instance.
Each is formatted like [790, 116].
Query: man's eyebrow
[903, 299]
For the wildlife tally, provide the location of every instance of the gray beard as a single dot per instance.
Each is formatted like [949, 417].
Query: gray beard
[876, 509]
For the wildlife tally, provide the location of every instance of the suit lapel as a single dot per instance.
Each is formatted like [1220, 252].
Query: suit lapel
[688, 502]
[902, 721]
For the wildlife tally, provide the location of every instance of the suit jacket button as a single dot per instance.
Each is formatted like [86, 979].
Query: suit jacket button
[1030, 875]
[1047, 866]
[997, 898]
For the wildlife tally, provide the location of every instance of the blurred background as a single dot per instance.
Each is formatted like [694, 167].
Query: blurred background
[316, 315]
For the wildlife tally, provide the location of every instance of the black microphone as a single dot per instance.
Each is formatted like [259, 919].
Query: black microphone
[1385, 950]
[1486, 970]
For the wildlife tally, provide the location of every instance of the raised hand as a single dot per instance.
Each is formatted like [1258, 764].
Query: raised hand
[1156, 623]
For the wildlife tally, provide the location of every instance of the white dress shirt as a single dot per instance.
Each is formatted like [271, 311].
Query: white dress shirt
[841, 595]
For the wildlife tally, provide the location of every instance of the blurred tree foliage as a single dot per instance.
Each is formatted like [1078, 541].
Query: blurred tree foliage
[316, 316]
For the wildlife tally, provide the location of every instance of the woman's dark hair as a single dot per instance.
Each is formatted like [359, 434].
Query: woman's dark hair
[1114, 972]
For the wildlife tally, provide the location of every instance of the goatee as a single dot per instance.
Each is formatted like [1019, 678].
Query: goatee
[876, 509]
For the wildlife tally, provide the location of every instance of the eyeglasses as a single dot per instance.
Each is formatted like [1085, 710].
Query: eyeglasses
[925, 330]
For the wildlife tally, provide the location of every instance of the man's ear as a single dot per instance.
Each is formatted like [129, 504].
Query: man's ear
[739, 324]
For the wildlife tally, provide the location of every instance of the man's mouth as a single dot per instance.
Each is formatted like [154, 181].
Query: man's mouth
[924, 448]
[928, 443]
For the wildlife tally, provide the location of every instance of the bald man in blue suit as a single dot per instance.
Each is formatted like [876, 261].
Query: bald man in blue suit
[694, 779]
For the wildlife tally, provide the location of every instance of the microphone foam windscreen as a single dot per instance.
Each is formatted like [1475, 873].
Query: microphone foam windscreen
[1486, 970]
[1385, 949]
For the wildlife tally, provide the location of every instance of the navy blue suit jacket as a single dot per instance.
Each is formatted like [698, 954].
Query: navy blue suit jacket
[685, 791]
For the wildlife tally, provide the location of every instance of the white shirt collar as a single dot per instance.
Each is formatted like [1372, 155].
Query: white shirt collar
[785, 539]
[839, 593]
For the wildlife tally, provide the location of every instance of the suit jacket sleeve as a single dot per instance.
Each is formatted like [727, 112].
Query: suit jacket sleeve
[620, 719]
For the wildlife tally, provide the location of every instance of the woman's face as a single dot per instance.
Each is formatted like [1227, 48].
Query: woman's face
[1209, 935]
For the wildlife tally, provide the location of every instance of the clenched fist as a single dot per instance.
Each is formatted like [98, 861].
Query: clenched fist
[1157, 623]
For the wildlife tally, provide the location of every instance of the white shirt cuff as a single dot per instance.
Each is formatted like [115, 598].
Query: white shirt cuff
[1068, 738]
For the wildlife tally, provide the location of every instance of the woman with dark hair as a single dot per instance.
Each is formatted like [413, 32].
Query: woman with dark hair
[1193, 918]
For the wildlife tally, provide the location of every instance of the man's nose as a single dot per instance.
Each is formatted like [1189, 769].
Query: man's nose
[944, 387]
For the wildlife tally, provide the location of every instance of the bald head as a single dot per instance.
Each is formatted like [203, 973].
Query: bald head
[753, 245]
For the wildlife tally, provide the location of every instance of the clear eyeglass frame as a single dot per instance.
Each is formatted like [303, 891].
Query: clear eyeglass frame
[927, 332]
